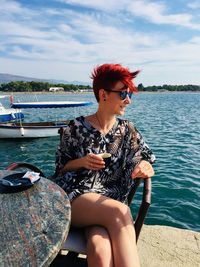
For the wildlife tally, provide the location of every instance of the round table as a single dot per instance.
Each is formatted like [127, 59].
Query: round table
[33, 224]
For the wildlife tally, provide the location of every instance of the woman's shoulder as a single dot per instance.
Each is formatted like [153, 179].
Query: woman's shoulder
[126, 123]
[71, 125]
[74, 122]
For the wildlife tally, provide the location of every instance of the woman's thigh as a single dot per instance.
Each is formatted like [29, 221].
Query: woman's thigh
[95, 209]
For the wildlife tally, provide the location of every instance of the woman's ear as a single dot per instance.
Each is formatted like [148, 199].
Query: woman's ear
[102, 95]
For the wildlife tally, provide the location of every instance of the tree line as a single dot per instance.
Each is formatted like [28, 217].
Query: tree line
[21, 86]
[166, 87]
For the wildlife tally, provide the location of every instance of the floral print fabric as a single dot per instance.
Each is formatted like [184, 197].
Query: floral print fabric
[126, 146]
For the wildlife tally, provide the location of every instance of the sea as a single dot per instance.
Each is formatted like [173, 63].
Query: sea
[169, 123]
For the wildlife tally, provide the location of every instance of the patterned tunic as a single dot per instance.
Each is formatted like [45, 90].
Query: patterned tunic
[126, 146]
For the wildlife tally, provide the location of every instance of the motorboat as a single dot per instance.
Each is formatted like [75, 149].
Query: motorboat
[30, 130]
[50, 104]
[37, 129]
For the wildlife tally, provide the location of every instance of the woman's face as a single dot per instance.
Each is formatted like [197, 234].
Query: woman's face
[115, 103]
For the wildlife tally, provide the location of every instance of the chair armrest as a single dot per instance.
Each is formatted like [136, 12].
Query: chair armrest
[18, 165]
[146, 202]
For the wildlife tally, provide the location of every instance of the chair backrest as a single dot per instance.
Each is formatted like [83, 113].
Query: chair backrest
[145, 203]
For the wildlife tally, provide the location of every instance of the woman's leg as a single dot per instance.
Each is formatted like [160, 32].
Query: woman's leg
[99, 248]
[93, 209]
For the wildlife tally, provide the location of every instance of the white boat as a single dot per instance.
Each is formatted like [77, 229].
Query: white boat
[30, 130]
[36, 129]
[9, 114]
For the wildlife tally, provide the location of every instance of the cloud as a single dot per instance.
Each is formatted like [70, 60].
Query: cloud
[194, 5]
[50, 42]
[104, 5]
[12, 6]
[157, 13]
[154, 12]
[81, 38]
[15, 28]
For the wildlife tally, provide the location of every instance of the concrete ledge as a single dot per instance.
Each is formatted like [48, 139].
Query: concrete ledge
[164, 246]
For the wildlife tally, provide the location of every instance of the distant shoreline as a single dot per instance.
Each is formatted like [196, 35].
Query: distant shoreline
[61, 93]
[43, 92]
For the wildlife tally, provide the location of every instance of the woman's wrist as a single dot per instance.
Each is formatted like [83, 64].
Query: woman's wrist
[73, 165]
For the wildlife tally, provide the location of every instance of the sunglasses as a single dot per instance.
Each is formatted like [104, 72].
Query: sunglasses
[122, 94]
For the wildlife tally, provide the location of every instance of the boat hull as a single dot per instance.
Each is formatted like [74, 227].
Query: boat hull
[51, 104]
[30, 130]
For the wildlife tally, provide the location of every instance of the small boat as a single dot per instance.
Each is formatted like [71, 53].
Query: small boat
[37, 129]
[50, 104]
[9, 114]
[30, 129]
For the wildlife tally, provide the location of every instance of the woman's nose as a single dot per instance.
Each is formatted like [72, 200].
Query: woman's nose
[127, 100]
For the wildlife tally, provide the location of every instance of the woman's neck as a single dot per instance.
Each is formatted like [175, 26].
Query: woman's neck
[104, 121]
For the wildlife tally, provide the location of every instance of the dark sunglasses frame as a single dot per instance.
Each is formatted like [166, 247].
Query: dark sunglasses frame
[122, 94]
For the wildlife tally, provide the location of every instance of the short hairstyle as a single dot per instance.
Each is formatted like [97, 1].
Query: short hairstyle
[107, 75]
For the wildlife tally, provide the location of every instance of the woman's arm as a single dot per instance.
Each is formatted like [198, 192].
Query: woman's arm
[143, 169]
[143, 155]
[90, 162]
[66, 156]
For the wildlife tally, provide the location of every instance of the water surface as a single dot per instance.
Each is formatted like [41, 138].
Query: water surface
[169, 122]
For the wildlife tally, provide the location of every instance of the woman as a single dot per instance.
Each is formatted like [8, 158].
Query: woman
[98, 193]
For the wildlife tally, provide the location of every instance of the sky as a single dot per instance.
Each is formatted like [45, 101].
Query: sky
[66, 39]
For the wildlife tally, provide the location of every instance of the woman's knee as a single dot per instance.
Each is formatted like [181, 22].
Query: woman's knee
[121, 215]
[99, 244]
[121, 222]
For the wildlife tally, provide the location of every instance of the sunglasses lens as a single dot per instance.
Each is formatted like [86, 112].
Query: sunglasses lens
[124, 94]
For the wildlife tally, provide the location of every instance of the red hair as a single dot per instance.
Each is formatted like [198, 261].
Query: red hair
[107, 75]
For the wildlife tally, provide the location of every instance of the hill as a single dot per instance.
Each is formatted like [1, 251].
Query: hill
[6, 78]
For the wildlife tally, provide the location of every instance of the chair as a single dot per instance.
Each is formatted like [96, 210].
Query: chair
[75, 243]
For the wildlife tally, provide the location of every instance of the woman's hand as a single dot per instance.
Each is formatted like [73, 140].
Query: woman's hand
[93, 162]
[90, 162]
[143, 170]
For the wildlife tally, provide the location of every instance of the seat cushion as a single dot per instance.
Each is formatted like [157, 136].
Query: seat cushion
[75, 241]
